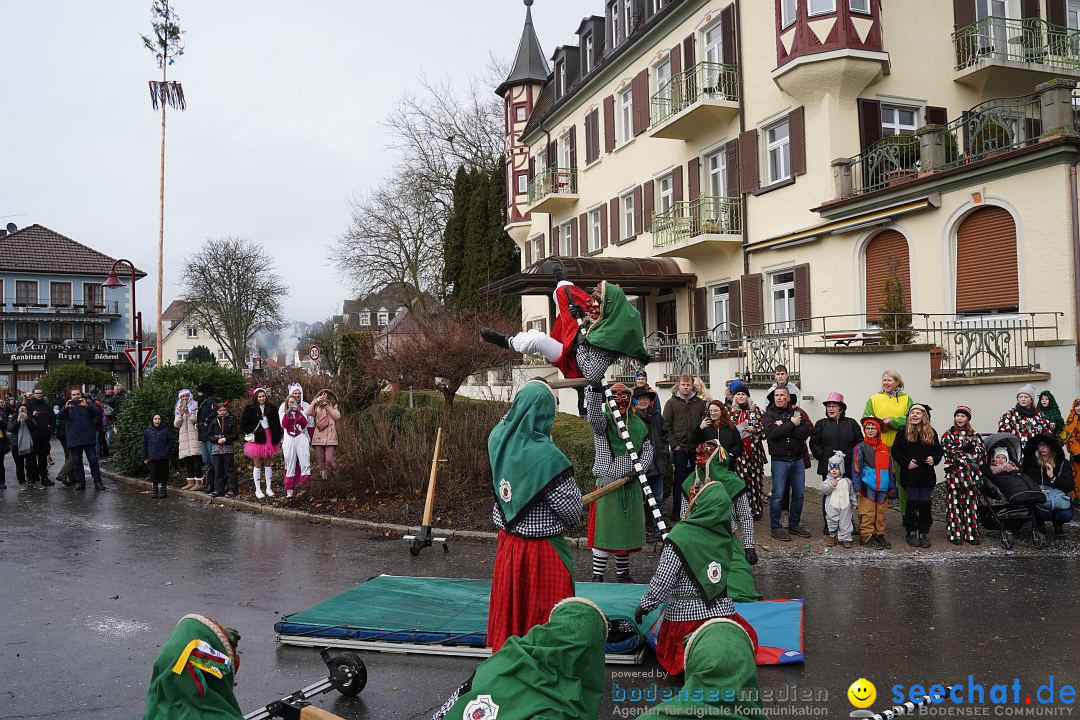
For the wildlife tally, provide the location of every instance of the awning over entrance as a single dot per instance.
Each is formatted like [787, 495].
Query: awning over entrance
[636, 276]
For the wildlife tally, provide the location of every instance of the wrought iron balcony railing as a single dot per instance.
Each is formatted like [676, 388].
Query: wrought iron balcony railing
[705, 80]
[34, 306]
[553, 181]
[890, 161]
[1030, 40]
[992, 127]
[707, 215]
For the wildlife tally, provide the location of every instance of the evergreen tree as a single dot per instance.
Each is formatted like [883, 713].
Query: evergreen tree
[477, 230]
[504, 258]
[895, 315]
[454, 236]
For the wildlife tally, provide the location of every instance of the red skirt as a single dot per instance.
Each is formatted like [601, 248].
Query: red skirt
[529, 579]
[671, 642]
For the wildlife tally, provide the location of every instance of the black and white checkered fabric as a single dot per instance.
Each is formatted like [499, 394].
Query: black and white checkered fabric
[554, 512]
[671, 583]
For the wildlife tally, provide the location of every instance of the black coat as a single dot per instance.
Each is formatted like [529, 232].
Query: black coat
[828, 436]
[250, 423]
[904, 451]
[1062, 478]
[658, 436]
[218, 430]
[81, 424]
[727, 437]
[44, 420]
[204, 414]
[157, 443]
[786, 441]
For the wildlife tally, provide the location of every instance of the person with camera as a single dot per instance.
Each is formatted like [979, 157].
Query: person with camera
[82, 421]
[44, 422]
[21, 432]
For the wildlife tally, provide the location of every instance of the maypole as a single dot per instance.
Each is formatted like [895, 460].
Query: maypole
[166, 45]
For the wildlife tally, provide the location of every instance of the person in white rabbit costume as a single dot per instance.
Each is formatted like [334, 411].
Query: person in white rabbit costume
[296, 443]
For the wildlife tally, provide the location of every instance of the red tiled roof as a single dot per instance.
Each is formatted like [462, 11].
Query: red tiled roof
[38, 249]
[177, 310]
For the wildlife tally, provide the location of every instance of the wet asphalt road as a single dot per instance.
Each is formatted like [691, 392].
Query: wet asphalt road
[92, 583]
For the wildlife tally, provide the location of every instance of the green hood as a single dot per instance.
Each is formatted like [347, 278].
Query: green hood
[555, 672]
[193, 674]
[1051, 413]
[716, 469]
[721, 676]
[637, 428]
[703, 540]
[619, 326]
[524, 460]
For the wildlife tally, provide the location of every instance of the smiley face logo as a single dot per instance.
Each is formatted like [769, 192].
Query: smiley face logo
[862, 693]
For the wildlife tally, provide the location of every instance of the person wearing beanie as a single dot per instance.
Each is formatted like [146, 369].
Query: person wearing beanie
[832, 434]
[838, 499]
[872, 478]
[1024, 419]
[964, 454]
[641, 382]
[206, 399]
[749, 465]
[916, 451]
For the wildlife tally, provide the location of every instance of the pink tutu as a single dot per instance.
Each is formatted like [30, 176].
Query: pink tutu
[264, 450]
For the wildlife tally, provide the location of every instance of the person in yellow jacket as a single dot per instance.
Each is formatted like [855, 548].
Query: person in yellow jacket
[890, 406]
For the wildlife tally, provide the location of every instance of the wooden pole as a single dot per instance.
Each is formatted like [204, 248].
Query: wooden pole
[161, 188]
[606, 490]
[429, 503]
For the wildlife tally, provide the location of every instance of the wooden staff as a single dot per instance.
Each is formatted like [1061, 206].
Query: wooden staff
[429, 502]
[611, 487]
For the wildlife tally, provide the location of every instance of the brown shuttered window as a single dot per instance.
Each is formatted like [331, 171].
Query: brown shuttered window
[676, 184]
[803, 312]
[753, 312]
[583, 234]
[797, 131]
[532, 168]
[986, 269]
[555, 249]
[676, 60]
[573, 146]
[963, 12]
[609, 123]
[748, 161]
[734, 309]
[528, 252]
[640, 94]
[647, 199]
[937, 116]
[1029, 8]
[731, 153]
[552, 153]
[1056, 13]
[886, 247]
[727, 31]
[543, 246]
[693, 179]
[638, 212]
[701, 310]
[688, 52]
[603, 226]
[869, 123]
[590, 145]
[616, 234]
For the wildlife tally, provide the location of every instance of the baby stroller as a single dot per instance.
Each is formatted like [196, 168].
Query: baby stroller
[1007, 499]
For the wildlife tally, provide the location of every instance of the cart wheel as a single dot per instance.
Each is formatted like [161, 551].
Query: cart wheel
[414, 548]
[348, 674]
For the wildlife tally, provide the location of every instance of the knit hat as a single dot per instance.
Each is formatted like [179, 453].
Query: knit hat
[922, 406]
[1000, 451]
[1028, 390]
[641, 374]
[837, 461]
[964, 409]
[835, 397]
[206, 387]
[738, 386]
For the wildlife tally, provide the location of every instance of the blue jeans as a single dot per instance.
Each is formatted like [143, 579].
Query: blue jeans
[208, 465]
[684, 466]
[77, 464]
[787, 473]
[656, 484]
[1058, 517]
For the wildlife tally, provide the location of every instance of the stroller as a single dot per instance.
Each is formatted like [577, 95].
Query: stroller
[1007, 500]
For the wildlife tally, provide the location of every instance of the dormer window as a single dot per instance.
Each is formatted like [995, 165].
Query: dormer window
[613, 13]
[628, 15]
[365, 319]
[587, 49]
[560, 78]
[383, 317]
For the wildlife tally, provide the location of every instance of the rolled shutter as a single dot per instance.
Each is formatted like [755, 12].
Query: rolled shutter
[1057, 13]
[572, 139]
[963, 13]
[688, 52]
[797, 132]
[609, 123]
[647, 199]
[869, 122]
[556, 251]
[676, 184]
[1029, 9]
[701, 311]
[802, 297]
[986, 269]
[753, 313]
[639, 226]
[937, 116]
[640, 92]
[748, 161]
[727, 34]
[731, 158]
[583, 234]
[693, 179]
[603, 225]
[676, 61]
[888, 246]
[734, 309]
[616, 234]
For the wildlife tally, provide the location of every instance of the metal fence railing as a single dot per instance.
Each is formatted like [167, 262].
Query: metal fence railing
[45, 306]
[704, 216]
[553, 181]
[991, 127]
[1028, 40]
[704, 80]
[890, 161]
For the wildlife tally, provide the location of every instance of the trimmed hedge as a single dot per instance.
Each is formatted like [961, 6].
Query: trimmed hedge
[56, 381]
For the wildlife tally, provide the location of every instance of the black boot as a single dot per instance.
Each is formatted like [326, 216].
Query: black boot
[153, 493]
[623, 578]
[495, 337]
[597, 578]
[913, 539]
[924, 540]
[164, 491]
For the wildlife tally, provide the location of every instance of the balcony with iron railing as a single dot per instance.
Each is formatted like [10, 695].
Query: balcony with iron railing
[553, 189]
[21, 307]
[689, 226]
[694, 101]
[1005, 50]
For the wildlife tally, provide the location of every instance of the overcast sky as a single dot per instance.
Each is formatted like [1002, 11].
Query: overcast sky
[282, 126]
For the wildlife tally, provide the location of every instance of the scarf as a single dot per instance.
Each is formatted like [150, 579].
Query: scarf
[882, 453]
[193, 675]
[703, 540]
[619, 326]
[1026, 412]
[24, 443]
[840, 497]
[639, 432]
[555, 671]
[524, 460]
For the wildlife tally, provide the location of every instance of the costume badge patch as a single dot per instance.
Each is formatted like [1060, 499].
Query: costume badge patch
[504, 492]
[482, 708]
[714, 572]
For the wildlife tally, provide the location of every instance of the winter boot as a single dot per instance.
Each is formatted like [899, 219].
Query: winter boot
[269, 473]
[924, 540]
[153, 493]
[913, 539]
[190, 484]
[623, 577]
[199, 485]
[257, 474]
[597, 578]
[495, 337]
[164, 492]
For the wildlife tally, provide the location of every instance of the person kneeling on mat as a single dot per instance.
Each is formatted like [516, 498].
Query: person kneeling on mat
[536, 501]
[194, 673]
[555, 671]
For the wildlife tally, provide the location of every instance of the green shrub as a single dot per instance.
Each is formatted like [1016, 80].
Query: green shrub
[575, 438]
[157, 394]
[57, 381]
[200, 354]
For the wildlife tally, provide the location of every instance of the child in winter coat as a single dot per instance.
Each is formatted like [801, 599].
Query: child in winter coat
[156, 446]
[839, 499]
[964, 455]
[221, 434]
[872, 480]
[1072, 444]
[296, 446]
[185, 417]
[917, 450]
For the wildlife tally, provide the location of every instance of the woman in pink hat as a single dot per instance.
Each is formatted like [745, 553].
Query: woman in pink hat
[835, 432]
[964, 455]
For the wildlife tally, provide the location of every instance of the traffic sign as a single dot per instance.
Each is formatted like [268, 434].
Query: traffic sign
[147, 353]
[314, 353]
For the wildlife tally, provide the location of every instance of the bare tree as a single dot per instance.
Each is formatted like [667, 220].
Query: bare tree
[233, 293]
[327, 335]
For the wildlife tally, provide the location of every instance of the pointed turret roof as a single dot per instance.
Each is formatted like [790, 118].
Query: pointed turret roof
[530, 65]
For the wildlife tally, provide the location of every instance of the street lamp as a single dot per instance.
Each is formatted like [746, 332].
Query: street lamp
[136, 318]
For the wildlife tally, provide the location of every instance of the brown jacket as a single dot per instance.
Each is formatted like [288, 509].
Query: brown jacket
[328, 435]
[682, 418]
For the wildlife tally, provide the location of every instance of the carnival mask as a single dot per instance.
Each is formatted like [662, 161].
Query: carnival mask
[705, 451]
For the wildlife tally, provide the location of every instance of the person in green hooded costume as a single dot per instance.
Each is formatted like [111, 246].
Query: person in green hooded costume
[536, 501]
[555, 672]
[194, 673]
[712, 464]
[721, 676]
[693, 574]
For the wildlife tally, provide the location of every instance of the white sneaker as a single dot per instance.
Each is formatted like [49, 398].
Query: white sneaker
[259, 493]
[269, 492]
[289, 493]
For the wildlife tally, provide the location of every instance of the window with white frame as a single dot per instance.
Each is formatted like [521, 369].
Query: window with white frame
[898, 120]
[181, 355]
[587, 61]
[716, 174]
[787, 12]
[613, 12]
[721, 311]
[537, 247]
[1073, 15]
[365, 319]
[665, 193]
[783, 298]
[522, 183]
[628, 16]
[383, 317]
[560, 78]
[655, 5]
[221, 355]
[713, 38]
[192, 331]
[662, 73]
[991, 8]
[564, 150]
[821, 7]
[626, 209]
[626, 115]
[594, 230]
[566, 238]
[862, 6]
[778, 152]
[519, 113]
